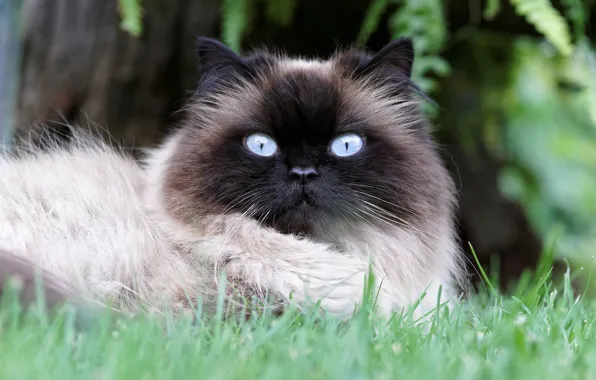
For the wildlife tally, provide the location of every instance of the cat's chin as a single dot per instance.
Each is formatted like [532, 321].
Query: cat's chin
[300, 219]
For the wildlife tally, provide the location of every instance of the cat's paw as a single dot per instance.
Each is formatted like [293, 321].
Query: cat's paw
[216, 250]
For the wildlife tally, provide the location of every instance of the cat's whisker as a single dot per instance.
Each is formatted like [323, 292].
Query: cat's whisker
[388, 219]
[407, 210]
[349, 214]
[374, 216]
[365, 220]
[386, 214]
[385, 211]
[264, 217]
[395, 205]
[249, 192]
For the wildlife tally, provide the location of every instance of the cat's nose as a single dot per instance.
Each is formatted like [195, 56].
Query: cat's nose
[303, 174]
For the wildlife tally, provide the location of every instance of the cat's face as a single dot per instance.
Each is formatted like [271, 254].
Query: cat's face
[300, 144]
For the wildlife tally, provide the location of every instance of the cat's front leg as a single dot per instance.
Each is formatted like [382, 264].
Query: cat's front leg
[267, 261]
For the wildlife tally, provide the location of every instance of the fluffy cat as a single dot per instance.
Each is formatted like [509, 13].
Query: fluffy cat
[289, 175]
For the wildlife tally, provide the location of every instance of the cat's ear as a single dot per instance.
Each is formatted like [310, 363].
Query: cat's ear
[217, 63]
[390, 65]
[397, 55]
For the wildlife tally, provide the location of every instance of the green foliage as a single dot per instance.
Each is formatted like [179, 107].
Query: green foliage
[371, 20]
[547, 20]
[492, 9]
[131, 15]
[577, 14]
[237, 16]
[234, 22]
[537, 104]
[424, 22]
[552, 107]
[281, 12]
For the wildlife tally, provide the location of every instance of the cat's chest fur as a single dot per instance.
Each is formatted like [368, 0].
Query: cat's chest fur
[78, 215]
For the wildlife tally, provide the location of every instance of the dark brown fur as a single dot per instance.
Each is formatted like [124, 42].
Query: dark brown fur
[211, 171]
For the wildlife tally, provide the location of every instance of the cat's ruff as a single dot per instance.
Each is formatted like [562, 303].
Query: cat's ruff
[124, 234]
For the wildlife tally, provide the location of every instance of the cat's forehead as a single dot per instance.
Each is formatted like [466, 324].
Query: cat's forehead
[303, 98]
[305, 65]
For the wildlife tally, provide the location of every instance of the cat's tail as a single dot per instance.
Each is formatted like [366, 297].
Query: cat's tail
[20, 278]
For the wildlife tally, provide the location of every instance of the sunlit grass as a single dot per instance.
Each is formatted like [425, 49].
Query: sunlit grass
[543, 331]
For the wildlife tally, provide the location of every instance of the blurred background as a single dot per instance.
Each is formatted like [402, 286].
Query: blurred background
[513, 83]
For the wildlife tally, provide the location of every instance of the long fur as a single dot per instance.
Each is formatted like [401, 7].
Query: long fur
[132, 236]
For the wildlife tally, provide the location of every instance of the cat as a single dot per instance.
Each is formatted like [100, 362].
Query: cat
[289, 177]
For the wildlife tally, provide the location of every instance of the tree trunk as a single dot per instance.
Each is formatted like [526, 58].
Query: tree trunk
[80, 67]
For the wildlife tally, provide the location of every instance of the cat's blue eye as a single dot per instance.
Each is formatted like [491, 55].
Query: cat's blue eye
[347, 145]
[261, 144]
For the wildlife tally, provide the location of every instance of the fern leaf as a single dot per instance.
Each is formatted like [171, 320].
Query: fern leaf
[130, 13]
[371, 20]
[234, 23]
[547, 20]
[492, 9]
[577, 14]
[424, 22]
[282, 12]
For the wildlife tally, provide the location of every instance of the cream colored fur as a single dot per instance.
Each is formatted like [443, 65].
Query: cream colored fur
[95, 218]
[92, 217]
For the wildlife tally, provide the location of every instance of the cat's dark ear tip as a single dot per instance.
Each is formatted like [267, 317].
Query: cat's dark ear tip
[211, 52]
[404, 40]
[404, 44]
[204, 42]
[398, 53]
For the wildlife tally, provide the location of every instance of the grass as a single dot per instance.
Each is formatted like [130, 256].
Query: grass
[542, 331]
